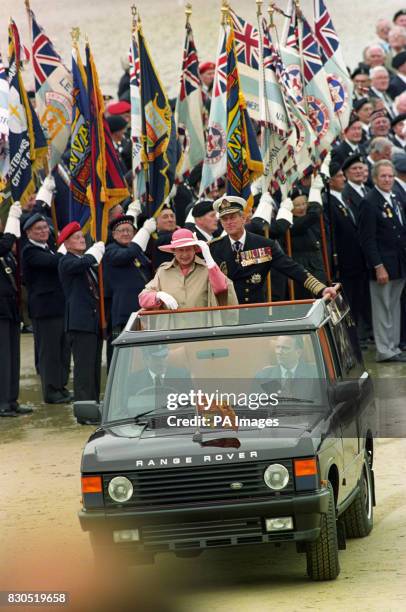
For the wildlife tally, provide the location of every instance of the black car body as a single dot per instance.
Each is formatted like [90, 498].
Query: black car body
[296, 468]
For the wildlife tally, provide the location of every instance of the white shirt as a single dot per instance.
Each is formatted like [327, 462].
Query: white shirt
[284, 371]
[351, 144]
[43, 245]
[205, 234]
[386, 195]
[357, 188]
[241, 240]
[338, 195]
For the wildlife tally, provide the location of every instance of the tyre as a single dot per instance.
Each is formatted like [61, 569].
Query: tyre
[322, 555]
[359, 517]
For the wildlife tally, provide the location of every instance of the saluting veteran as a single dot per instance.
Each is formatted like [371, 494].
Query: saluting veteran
[188, 281]
[246, 258]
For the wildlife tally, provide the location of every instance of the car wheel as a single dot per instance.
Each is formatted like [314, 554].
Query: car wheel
[359, 517]
[322, 555]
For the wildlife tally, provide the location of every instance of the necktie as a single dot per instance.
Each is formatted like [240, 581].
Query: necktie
[287, 382]
[363, 189]
[395, 208]
[237, 246]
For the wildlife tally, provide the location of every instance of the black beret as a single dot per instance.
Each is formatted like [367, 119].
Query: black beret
[399, 59]
[116, 123]
[360, 70]
[202, 208]
[360, 103]
[334, 166]
[399, 161]
[399, 13]
[398, 119]
[34, 219]
[120, 220]
[351, 160]
[296, 192]
[353, 119]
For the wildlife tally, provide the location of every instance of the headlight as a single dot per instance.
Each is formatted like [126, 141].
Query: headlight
[276, 476]
[120, 489]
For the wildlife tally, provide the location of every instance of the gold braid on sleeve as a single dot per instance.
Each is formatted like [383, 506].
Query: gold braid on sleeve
[313, 285]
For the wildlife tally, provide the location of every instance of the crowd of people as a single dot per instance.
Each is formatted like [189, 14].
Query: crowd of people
[346, 223]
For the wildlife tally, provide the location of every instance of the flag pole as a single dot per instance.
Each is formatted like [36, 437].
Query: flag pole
[289, 253]
[134, 39]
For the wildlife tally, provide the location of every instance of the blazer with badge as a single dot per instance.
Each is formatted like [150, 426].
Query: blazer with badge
[81, 293]
[128, 270]
[249, 268]
[353, 198]
[8, 282]
[45, 293]
[351, 260]
[400, 192]
[382, 235]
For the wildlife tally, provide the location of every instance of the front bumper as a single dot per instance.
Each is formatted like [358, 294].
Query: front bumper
[208, 527]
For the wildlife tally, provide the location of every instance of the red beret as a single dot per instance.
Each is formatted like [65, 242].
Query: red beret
[118, 108]
[67, 231]
[205, 66]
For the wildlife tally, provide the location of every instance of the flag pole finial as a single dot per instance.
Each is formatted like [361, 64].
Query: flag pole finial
[271, 12]
[75, 35]
[188, 12]
[224, 11]
[259, 7]
[27, 5]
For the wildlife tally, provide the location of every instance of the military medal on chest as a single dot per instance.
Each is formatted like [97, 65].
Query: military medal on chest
[255, 256]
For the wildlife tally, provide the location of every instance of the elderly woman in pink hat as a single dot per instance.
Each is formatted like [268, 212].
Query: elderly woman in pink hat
[188, 281]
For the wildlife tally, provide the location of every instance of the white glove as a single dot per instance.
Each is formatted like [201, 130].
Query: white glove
[315, 189]
[264, 208]
[206, 253]
[13, 220]
[325, 166]
[143, 235]
[256, 187]
[134, 209]
[190, 218]
[150, 225]
[285, 211]
[46, 191]
[97, 250]
[167, 299]
[62, 249]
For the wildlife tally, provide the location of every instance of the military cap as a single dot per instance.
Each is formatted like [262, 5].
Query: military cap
[399, 161]
[67, 231]
[206, 66]
[381, 112]
[399, 13]
[360, 70]
[33, 219]
[353, 119]
[118, 108]
[202, 208]
[120, 220]
[351, 160]
[360, 103]
[399, 59]
[229, 204]
[334, 167]
[296, 192]
[398, 119]
[116, 123]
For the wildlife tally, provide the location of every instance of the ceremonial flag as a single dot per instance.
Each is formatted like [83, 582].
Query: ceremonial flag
[244, 162]
[215, 161]
[4, 151]
[79, 161]
[136, 122]
[28, 147]
[53, 91]
[290, 54]
[160, 147]
[318, 102]
[339, 81]
[189, 109]
[107, 186]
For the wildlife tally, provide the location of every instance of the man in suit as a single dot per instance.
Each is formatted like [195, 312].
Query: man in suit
[398, 82]
[352, 140]
[382, 229]
[205, 222]
[291, 376]
[354, 189]
[246, 258]
[379, 148]
[379, 87]
[46, 305]
[78, 276]
[399, 186]
[10, 318]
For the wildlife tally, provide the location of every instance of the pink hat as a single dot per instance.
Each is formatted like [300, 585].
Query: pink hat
[180, 238]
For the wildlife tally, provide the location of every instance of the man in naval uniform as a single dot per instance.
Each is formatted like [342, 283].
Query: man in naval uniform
[246, 258]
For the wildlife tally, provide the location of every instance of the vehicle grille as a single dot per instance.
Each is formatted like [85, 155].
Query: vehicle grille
[208, 534]
[207, 484]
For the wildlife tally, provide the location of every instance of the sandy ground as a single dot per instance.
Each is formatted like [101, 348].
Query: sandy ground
[43, 547]
[107, 24]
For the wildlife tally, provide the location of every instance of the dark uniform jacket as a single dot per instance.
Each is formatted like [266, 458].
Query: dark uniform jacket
[397, 143]
[351, 260]
[81, 293]
[45, 293]
[8, 276]
[344, 150]
[128, 270]
[400, 193]
[382, 236]
[353, 198]
[396, 87]
[250, 280]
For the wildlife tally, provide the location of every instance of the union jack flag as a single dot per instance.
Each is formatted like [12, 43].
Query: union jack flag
[134, 61]
[292, 36]
[325, 32]
[246, 41]
[190, 78]
[44, 57]
[312, 63]
[220, 84]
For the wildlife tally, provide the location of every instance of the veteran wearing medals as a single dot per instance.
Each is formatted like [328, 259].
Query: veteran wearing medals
[246, 258]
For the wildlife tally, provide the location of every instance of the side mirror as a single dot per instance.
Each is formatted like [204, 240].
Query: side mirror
[345, 391]
[87, 413]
